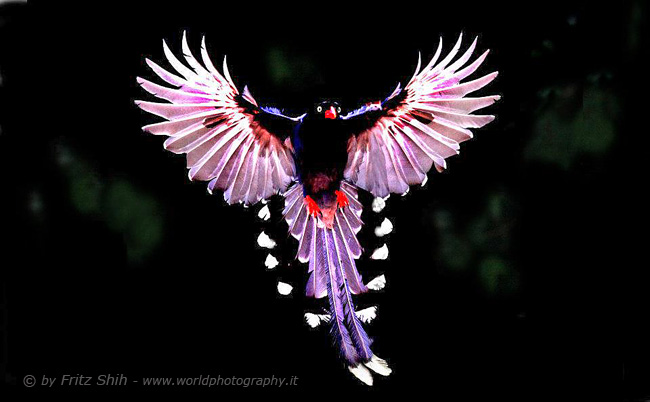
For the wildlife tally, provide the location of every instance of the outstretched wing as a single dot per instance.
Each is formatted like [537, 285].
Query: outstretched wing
[398, 140]
[229, 140]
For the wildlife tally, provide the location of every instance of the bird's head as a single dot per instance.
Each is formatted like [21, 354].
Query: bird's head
[328, 109]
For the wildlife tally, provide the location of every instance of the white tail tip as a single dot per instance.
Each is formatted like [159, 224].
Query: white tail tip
[381, 253]
[284, 288]
[378, 283]
[385, 228]
[264, 213]
[362, 373]
[378, 204]
[367, 314]
[271, 262]
[379, 366]
[265, 241]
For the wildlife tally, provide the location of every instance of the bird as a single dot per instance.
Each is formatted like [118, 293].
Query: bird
[319, 161]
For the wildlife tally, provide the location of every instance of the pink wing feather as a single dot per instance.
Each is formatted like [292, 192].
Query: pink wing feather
[423, 129]
[223, 141]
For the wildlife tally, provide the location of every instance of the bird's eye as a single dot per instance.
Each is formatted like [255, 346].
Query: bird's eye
[338, 109]
[319, 109]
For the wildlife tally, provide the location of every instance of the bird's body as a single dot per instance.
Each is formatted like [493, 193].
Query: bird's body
[319, 161]
[320, 152]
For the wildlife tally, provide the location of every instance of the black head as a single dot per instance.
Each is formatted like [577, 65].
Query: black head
[328, 109]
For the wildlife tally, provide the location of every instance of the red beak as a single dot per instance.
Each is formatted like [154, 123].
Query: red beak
[331, 114]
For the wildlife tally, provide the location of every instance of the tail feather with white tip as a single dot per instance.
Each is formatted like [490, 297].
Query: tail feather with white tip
[331, 253]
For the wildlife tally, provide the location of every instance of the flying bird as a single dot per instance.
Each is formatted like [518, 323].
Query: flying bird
[318, 162]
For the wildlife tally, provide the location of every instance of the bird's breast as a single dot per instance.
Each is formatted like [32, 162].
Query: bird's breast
[321, 153]
[324, 142]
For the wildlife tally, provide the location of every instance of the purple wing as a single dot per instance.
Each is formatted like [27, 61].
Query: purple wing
[398, 140]
[229, 140]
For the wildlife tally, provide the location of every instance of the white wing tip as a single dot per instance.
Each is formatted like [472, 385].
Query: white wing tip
[166, 48]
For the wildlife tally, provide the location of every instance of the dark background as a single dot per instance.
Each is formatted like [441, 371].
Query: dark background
[516, 274]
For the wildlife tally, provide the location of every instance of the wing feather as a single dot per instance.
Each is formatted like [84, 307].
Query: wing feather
[220, 131]
[419, 127]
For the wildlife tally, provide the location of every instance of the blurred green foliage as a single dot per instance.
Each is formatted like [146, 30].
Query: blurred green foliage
[85, 188]
[497, 276]
[135, 214]
[121, 205]
[634, 27]
[479, 248]
[573, 121]
[291, 72]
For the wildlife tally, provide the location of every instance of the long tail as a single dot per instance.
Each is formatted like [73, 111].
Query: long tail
[333, 273]
[346, 328]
